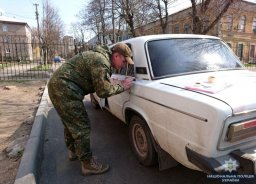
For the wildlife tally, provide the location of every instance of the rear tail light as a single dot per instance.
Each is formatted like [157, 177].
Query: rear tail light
[242, 130]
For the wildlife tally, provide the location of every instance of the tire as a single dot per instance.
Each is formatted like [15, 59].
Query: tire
[94, 102]
[141, 141]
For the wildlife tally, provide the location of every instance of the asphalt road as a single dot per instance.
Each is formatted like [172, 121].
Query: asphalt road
[110, 143]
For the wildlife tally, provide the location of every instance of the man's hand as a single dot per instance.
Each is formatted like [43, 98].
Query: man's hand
[127, 83]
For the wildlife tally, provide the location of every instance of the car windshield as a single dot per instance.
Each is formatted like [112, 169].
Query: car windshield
[176, 56]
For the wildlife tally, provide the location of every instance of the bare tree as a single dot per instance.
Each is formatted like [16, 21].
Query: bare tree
[206, 13]
[159, 10]
[127, 13]
[78, 30]
[96, 16]
[88, 18]
[113, 21]
[114, 17]
[52, 31]
[134, 12]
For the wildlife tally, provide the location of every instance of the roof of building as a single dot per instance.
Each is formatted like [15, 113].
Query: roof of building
[11, 19]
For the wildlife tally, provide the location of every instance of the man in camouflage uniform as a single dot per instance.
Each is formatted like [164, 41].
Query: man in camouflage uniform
[86, 73]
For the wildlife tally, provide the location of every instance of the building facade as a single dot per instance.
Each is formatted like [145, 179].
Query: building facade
[15, 37]
[237, 27]
[239, 31]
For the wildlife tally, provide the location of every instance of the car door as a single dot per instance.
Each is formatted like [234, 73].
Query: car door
[115, 103]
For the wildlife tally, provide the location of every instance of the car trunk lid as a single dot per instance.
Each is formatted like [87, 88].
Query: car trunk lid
[237, 88]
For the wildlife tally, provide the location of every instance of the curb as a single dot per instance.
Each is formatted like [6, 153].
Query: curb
[30, 165]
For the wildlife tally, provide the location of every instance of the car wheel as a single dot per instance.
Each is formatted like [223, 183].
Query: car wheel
[94, 102]
[141, 141]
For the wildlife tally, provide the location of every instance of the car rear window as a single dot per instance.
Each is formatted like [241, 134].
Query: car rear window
[176, 56]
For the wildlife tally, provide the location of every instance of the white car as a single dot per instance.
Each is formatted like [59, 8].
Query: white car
[192, 102]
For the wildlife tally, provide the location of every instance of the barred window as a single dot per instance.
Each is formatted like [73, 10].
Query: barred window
[7, 50]
[253, 52]
[6, 39]
[241, 25]
[176, 29]
[240, 48]
[5, 28]
[254, 24]
[186, 28]
[229, 22]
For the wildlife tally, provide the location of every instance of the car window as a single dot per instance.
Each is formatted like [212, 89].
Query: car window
[125, 71]
[128, 70]
[175, 56]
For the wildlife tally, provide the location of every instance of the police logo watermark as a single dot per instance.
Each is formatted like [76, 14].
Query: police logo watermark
[230, 168]
[230, 165]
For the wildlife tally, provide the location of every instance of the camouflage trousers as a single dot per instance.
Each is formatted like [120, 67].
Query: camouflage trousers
[67, 99]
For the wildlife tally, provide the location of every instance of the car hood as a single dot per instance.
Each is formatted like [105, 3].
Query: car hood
[237, 88]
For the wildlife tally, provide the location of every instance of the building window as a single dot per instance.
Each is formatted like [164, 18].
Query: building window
[240, 51]
[5, 28]
[254, 25]
[186, 28]
[176, 29]
[252, 58]
[241, 24]
[6, 39]
[7, 50]
[229, 22]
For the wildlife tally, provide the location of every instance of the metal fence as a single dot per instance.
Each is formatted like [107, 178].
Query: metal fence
[23, 60]
[246, 54]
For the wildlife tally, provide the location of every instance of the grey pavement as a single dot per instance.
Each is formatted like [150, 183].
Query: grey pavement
[110, 143]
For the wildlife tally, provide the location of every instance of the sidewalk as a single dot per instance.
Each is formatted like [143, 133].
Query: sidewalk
[110, 143]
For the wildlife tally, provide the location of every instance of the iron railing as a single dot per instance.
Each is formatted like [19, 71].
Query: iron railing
[22, 60]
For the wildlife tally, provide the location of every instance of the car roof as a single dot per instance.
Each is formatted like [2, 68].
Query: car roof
[168, 36]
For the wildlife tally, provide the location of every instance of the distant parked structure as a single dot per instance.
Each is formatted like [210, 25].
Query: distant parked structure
[68, 46]
[14, 38]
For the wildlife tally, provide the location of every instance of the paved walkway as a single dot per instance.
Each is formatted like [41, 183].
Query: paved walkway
[110, 143]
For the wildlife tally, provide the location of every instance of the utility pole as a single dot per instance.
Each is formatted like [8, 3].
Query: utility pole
[37, 19]
[38, 33]
[113, 21]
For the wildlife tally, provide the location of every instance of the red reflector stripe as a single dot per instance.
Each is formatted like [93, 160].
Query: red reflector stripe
[250, 124]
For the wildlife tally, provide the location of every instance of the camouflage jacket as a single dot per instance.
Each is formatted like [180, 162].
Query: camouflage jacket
[89, 72]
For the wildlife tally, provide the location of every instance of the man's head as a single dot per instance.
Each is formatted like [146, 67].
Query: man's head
[121, 55]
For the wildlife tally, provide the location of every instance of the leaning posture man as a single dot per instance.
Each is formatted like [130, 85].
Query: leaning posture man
[86, 73]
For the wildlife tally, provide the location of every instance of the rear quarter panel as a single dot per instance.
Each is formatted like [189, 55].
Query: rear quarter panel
[178, 117]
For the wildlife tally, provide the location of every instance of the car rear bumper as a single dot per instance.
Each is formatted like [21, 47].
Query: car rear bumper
[236, 162]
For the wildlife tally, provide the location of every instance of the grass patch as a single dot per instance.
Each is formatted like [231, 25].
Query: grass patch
[25, 62]
[4, 65]
[42, 68]
[13, 81]
[249, 65]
